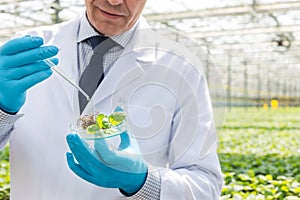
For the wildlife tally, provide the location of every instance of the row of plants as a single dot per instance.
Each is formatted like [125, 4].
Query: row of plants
[259, 153]
[4, 174]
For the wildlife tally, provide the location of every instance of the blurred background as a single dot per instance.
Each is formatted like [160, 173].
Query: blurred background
[255, 45]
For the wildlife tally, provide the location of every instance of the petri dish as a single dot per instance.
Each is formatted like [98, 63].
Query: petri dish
[87, 132]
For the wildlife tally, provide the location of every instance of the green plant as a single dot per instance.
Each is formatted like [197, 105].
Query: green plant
[102, 123]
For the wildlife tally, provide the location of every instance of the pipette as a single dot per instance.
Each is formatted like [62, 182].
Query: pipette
[62, 74]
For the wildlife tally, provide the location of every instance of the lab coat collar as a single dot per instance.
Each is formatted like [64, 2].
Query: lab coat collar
[144, 42]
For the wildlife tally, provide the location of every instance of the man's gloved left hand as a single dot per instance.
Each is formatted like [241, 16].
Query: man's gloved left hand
[105, 167]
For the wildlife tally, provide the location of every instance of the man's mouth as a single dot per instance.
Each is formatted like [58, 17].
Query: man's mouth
[110, 15]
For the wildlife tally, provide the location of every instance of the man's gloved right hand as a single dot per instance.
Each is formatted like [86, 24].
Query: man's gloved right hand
[21, 67]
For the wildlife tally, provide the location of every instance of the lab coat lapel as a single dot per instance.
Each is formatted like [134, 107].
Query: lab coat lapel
[114, 80]
[140, 51]
[68, 58]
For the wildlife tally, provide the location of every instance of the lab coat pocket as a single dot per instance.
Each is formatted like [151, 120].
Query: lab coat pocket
[151, 125]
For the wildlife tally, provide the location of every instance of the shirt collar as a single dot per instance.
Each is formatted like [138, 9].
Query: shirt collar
[86, 31]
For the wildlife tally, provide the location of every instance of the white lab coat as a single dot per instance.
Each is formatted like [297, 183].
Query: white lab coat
[170, 115]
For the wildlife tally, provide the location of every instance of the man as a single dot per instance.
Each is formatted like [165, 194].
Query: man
[171, 131]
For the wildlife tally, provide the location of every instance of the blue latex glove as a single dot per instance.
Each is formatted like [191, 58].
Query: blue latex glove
[21, 67]
[106, 168]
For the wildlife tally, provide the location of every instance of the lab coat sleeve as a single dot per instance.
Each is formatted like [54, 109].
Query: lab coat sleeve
[194, 171]
[6, 126]
[192, 182]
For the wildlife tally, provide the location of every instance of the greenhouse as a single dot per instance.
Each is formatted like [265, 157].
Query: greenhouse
[250, 53]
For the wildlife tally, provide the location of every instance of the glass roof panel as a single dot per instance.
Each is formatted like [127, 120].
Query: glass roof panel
[262, 35]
